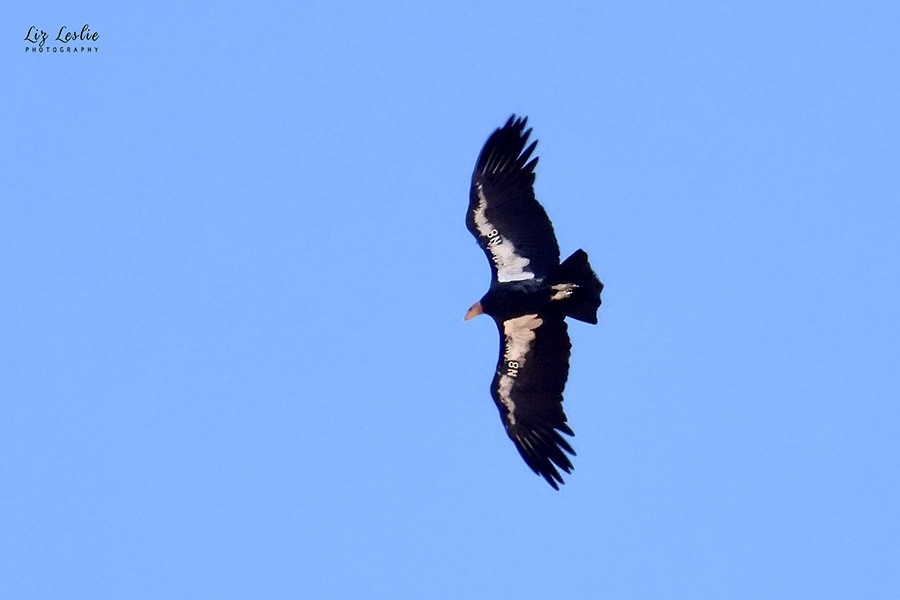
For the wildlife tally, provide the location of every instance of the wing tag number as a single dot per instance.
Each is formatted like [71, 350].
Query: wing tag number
[512, 368]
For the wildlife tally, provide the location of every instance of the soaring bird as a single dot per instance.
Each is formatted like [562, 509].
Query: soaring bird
[529, 298]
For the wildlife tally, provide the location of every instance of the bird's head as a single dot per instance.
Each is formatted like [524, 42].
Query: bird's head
[474, 310]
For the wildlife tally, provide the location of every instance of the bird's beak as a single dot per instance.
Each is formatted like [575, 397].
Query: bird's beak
[474, 311]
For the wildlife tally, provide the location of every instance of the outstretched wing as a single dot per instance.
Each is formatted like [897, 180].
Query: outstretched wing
[528, 386]
[504, 216]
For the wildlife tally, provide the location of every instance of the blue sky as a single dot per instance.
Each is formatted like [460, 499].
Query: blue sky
[233, 270]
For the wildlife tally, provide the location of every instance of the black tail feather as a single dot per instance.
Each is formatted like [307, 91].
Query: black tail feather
[584, 300]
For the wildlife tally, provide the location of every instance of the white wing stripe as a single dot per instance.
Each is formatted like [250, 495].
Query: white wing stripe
[518, 334]
[510, 266]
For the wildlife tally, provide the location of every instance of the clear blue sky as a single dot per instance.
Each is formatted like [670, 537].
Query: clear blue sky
[233, 270]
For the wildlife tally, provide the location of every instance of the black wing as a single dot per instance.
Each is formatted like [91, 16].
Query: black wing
[528, 386]
[504, 216]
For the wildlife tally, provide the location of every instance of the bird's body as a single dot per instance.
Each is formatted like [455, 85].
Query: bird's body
[530, 296]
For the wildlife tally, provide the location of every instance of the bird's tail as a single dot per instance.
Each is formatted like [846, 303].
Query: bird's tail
[576, 286]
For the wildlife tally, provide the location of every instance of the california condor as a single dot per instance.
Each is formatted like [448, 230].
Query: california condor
[530, 296]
